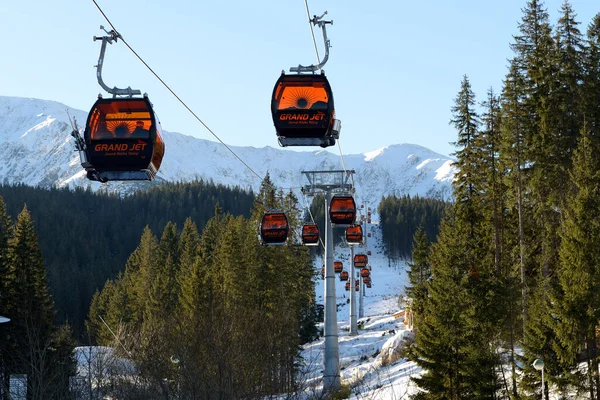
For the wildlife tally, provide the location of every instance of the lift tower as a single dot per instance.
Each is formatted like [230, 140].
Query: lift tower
[329, 183]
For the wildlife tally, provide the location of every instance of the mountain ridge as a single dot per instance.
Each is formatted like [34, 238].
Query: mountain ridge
[37, 150]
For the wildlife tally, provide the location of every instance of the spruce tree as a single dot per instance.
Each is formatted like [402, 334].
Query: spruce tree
[33, 341]
[419, 273]
[576, 307]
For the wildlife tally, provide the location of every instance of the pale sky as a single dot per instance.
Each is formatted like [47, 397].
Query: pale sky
[395, 66]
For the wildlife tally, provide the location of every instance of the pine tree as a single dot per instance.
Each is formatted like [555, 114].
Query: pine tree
[466, 121]
[5, 277]
[33, 342]
[419, 273]
[591, 78]
[577, 305]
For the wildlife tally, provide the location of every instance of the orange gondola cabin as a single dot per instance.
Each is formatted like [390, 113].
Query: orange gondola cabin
[344, 276]
[342, 210]
[361, 260]
[274, 228]
[310, 235]
[354, 234]
[303, 111]
[365, 273]
[123, 140]
[338, 267]
[367, 280]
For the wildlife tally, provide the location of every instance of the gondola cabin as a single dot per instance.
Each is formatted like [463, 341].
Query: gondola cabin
[369, 252]
[344, 276]
[368, 285]
[310, 235]
[274, 228]
[365, 273]
[123, 140]
[323, 272]
[367, 280]
[342, 210]
[357, 285]
[369, 234]
[303, 112]
[347, 286]
[338, 267]
[360, 260]
[354, 234]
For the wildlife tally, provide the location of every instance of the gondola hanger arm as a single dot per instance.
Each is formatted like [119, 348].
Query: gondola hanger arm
[112, 36]
[318, 21]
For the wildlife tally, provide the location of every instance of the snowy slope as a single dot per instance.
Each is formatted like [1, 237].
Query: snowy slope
[360, 361]
[36, 149]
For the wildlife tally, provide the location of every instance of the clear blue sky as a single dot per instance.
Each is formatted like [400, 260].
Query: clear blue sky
[395, 66]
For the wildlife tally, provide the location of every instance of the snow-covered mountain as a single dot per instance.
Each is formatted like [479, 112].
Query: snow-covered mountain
[36, 149]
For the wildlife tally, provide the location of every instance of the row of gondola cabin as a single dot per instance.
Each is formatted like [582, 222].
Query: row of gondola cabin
[123, 140]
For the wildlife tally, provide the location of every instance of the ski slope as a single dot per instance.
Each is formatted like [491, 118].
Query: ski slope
[360, 358]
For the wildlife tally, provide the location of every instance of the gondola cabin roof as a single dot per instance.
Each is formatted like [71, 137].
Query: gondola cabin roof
[310, 235]
[303, 111]
[274, 228]
[123, 140]
[342, 210]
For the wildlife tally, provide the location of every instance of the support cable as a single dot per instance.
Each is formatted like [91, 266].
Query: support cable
[174, 94]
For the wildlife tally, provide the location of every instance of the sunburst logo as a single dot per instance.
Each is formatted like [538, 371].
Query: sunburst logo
[302, 97]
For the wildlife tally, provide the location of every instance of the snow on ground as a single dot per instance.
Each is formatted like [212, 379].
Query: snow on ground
[360, 359]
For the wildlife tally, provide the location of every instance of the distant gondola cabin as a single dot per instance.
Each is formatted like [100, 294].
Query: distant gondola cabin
[344, 276]
[274, 228]
[338, 267]
[360, 260]
[354, 234]
[365, 273]
[310, 235]
[347, 286]
[342, 210]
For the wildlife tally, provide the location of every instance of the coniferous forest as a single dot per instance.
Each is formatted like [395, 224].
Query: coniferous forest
[515, 273]
[88, 237]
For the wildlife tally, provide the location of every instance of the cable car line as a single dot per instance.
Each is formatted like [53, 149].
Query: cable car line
[173, 93]
[312, 32]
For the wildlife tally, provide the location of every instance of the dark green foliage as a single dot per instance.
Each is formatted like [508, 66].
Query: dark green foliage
[419, 273]
[399, 219]
[231, 311]
[87, 236]
[31, 344]
[576, 305]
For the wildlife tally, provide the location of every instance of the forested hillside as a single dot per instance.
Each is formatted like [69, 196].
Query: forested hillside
[514, 275]
[229, 311]
[400, 218]
[87, 237]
